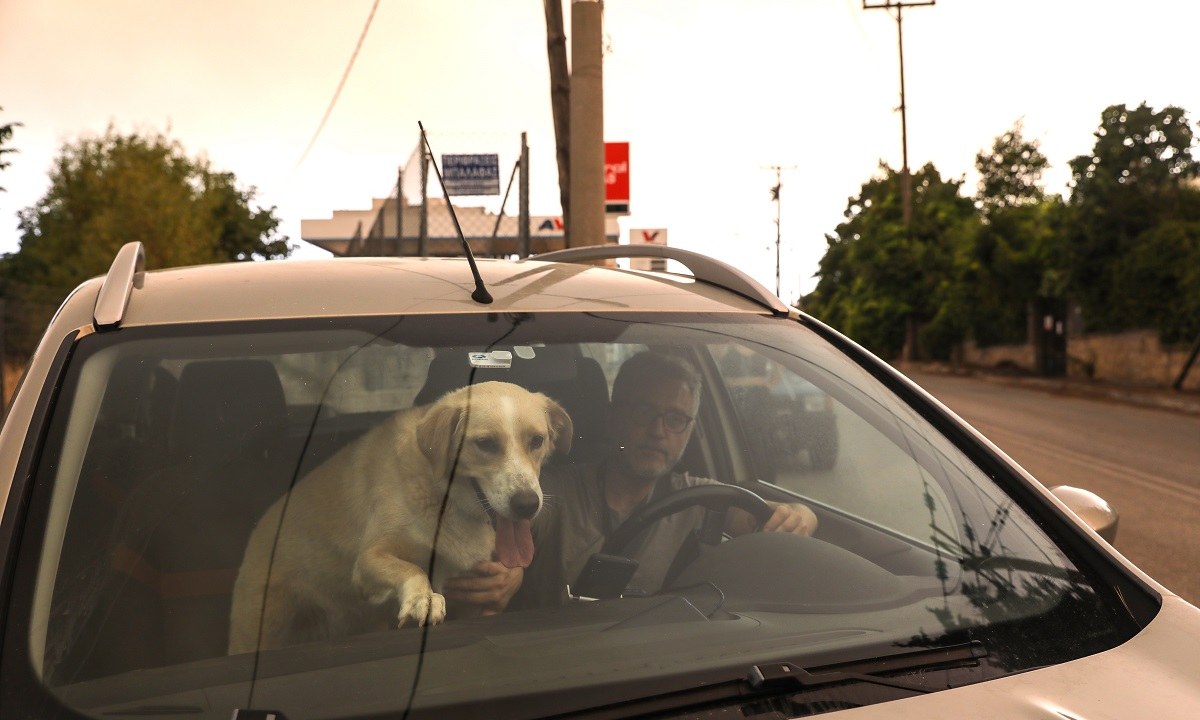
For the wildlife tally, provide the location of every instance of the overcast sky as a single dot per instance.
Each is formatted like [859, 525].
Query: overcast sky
[708, 93]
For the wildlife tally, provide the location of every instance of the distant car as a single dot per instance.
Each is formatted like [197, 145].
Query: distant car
[790, 422]
[164, 411]
[806, 422]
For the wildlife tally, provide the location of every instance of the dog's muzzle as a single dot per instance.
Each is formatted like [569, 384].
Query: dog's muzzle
[514, 538]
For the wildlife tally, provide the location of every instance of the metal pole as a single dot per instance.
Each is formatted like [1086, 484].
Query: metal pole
[778, 232]
[398, 249]
[504, 202]
[778, 191]
[776, 195]
[905, 176]
[523, 200]
[1187, 365]
[423, 232]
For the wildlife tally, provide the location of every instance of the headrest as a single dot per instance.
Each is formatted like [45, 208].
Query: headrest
[221, 406]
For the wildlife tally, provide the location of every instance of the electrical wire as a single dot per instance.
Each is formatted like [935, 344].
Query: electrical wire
[338, 92]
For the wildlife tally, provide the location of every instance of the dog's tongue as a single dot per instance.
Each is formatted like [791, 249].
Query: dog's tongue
[514, 542]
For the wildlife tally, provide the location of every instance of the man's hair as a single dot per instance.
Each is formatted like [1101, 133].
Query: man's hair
[649, 368]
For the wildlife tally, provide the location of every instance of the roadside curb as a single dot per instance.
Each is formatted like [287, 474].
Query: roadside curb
[1182, 401]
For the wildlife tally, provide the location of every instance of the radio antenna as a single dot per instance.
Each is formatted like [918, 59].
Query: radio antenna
[481, 295]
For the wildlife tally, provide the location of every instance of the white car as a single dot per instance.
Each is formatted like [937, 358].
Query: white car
[165, 411]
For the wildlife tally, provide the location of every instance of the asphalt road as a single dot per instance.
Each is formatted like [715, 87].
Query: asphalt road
[1144, 462]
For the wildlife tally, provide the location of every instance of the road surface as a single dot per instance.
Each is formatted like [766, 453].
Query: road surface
[1145, 462]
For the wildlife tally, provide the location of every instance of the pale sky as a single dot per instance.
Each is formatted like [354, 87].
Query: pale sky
[708, 93]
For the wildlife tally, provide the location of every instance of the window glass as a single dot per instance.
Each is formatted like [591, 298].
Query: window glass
[798, 435]
[171, 450]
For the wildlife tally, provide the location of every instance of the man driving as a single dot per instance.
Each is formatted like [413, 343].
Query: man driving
[655, 398]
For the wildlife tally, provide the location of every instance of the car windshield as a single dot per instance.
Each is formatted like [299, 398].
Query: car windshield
[179, 459]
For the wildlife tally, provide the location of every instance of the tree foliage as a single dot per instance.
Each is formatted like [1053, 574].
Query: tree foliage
[1010, 173]
[1134, 195]
[1125, 245]
[1162, 271]
[113, 189]
[877, 274]
[110, 190]
[6, 133]
[1015, 256]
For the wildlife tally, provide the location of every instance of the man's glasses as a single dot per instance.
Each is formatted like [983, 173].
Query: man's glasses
[643, 415]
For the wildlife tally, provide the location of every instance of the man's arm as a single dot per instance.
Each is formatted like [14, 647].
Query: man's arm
[795, 518]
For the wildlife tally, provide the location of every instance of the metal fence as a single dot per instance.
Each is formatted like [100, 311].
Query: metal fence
[416, 218]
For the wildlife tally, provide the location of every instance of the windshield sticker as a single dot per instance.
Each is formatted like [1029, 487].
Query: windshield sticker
[498, 359]
[524, 352]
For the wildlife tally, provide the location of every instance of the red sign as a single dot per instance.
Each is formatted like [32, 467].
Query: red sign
[616, 176]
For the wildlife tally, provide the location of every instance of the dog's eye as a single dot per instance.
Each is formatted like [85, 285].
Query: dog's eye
[536, 441]
[488, 444]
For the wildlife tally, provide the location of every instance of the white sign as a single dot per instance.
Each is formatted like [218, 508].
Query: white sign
[471, 174]
[652, 236]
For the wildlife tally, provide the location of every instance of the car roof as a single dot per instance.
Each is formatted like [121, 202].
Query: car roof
[401, 285]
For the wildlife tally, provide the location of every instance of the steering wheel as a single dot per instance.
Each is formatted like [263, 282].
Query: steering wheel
[717, 499]
[607, 572]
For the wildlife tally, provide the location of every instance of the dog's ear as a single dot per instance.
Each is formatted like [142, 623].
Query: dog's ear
[440, 435]
[562, 430]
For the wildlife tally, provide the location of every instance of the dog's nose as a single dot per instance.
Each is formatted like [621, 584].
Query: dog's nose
[524, 503]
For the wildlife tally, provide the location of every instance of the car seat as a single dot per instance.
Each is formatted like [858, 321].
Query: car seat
[574, 381]
[174, 546]
[229, 435]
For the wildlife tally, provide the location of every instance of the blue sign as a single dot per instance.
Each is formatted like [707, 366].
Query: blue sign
[471, 174]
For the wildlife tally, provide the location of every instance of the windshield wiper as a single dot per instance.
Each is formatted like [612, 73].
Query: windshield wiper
[783, 675]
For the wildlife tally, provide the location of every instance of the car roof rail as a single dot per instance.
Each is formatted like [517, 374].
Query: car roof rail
[124, 275]
[702, 267]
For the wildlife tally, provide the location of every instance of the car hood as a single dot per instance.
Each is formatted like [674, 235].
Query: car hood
[1154, 674]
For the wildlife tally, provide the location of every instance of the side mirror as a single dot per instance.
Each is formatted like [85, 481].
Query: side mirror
[1092, 509]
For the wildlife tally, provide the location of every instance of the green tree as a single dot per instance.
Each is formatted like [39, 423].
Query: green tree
[245, 232]
[1015, 257]
[109, 190]
[877, 276]
[1163, 271]
[1010, 173]
[1139, 175]
[6, 133]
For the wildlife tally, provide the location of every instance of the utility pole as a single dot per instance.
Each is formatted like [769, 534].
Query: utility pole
[586, 214]
[775, 196]
[911, 336]
[905, 176]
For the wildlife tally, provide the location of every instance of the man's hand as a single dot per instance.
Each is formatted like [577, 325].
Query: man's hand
[488, 587]
[792, 518]
[795, 518]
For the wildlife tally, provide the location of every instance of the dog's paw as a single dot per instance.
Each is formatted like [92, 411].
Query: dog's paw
[422, 605]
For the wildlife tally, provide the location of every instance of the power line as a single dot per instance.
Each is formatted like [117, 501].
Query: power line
[341, 83]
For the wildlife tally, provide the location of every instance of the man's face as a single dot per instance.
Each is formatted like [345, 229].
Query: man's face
[647, 447]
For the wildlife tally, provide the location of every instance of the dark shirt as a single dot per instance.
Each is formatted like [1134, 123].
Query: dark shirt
[574, 523]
